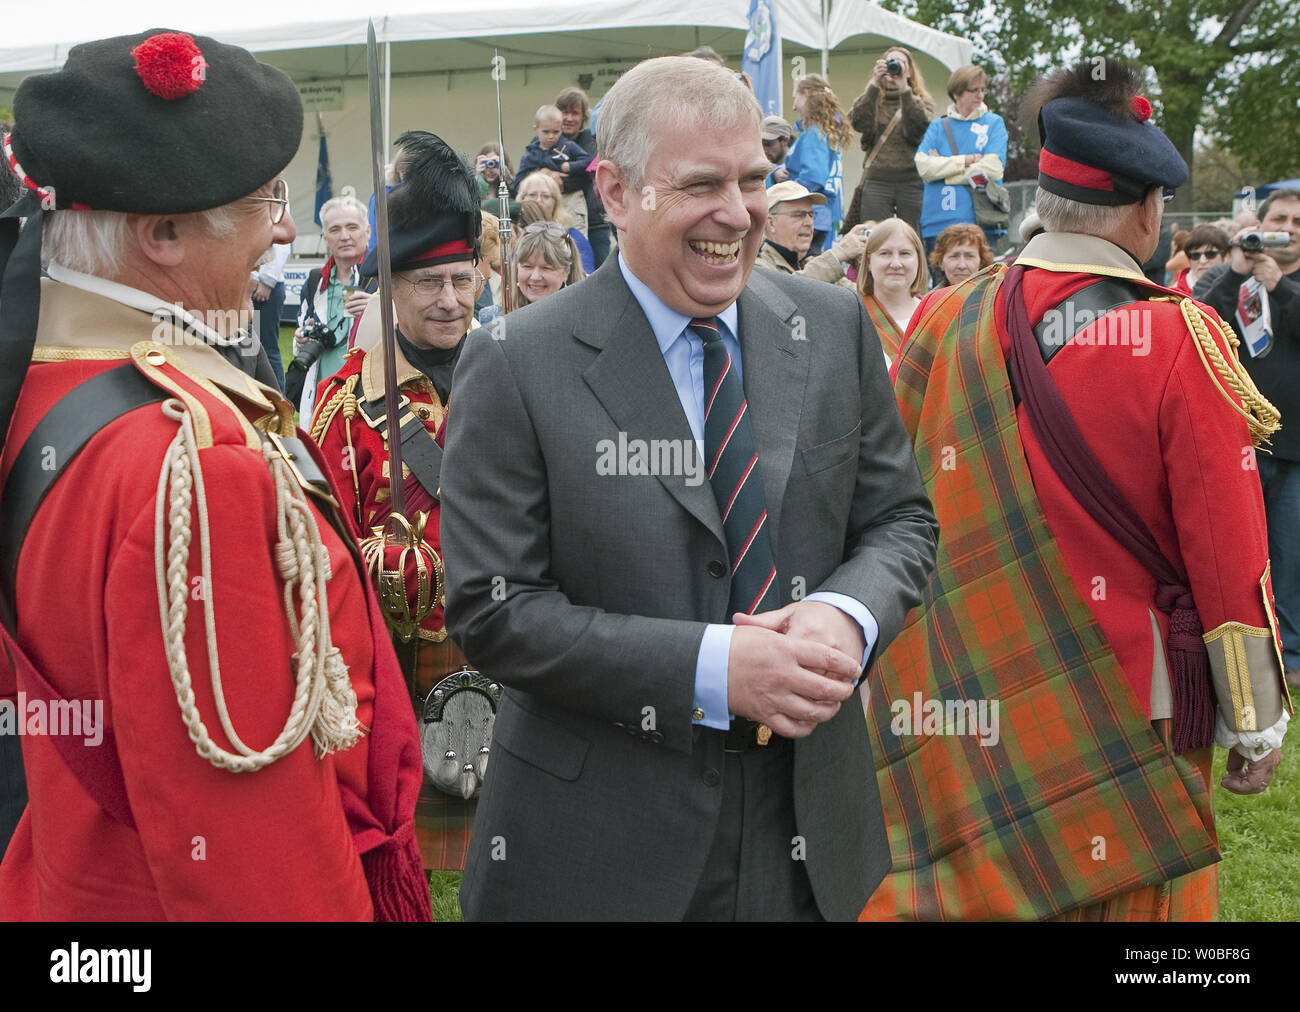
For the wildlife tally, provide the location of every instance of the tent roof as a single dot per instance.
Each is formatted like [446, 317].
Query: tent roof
[541, 32]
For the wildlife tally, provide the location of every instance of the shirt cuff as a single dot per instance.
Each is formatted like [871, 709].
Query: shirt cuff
[710, 707]
[855, 610]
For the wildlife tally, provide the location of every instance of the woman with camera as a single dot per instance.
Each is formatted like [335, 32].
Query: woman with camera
[332, 301]
[892, 116]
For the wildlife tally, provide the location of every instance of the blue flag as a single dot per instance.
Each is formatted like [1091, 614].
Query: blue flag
[762, 57]
[324, 188]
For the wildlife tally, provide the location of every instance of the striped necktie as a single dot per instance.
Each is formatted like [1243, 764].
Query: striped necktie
[731, 457]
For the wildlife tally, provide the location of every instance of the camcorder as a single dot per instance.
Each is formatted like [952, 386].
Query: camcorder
[1254, 242]
[894, 66]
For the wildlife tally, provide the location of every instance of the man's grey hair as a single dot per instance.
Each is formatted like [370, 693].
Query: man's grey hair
[345, 201]
[97, 242]
[670, 89]
[1061, 214]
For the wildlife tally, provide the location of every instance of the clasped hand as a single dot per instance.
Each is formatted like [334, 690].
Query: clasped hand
[792, 668]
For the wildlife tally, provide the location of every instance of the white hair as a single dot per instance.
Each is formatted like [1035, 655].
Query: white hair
[669, 89]
[345, 201]
[97, 242]
[1061, 214]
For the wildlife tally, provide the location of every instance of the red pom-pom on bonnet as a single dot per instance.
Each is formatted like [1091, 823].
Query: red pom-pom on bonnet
[170, 65]
[1141, 108]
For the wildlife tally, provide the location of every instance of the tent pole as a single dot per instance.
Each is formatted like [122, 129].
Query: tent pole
[388, 96]
[826, 37]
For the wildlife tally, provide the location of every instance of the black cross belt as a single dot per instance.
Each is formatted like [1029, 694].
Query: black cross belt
[57, 439]
[420, 450]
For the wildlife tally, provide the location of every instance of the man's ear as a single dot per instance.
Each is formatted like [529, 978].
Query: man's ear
[615, 194]
[159, 237]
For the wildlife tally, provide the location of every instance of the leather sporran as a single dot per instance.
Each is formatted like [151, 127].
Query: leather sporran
[456, 731]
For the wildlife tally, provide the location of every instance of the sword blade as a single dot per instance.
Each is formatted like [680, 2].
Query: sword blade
[397, 498]
[505, 230]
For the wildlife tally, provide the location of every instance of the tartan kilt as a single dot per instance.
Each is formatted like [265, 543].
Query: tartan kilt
[442, 823]
[1080, 799]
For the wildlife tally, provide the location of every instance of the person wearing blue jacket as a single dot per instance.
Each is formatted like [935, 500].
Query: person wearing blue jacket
[950, 175]
[816, 160]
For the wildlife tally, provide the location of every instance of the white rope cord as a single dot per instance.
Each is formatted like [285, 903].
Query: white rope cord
[324, 703]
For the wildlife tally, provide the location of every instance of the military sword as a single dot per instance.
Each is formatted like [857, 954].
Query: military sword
[505, 230]
[397, 497]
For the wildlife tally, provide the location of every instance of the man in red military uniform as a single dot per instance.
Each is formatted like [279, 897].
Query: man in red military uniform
[243, 750]
[434, 234]
[1087, 438]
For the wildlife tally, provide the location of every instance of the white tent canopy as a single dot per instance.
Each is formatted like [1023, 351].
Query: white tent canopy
[439, 55]
[34, 44]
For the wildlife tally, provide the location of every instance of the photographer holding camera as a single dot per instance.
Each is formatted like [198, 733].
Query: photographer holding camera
[892, 115]
[1258, 292]
[332, 302]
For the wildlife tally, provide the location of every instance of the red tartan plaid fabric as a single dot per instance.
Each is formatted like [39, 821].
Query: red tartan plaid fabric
[442, 823]
[1078, 800]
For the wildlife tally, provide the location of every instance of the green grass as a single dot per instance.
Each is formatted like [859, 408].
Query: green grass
[444, 890]
[1259, 876]
[1259, 836]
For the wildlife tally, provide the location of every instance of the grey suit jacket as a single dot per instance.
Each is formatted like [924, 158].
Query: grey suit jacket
[587, 593]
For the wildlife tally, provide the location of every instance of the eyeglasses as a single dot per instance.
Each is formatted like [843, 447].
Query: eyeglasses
[800, 215]
[1166, 193]
[463, 284]
[552, 228]
[279, 202]
[1209, 254]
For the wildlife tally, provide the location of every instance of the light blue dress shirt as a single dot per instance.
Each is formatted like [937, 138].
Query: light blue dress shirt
[684, 355]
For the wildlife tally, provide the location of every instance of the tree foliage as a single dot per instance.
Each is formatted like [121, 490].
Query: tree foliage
[1231, 67]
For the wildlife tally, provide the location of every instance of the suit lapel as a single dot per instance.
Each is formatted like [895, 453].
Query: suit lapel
[632, 382]
[775, 360]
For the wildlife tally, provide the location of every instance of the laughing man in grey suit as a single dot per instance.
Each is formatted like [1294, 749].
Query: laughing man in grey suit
[679, 514]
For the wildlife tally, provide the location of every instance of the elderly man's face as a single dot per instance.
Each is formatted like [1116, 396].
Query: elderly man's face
[346, 232]
[222, 263]
[693, 229]
[790, 224]
[430, 319]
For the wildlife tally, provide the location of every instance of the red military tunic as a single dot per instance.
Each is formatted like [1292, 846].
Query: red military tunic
[1145, 402]
[357, 455]
[209, 844]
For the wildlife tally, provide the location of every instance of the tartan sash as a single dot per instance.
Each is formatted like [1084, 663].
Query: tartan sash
[1078, 799]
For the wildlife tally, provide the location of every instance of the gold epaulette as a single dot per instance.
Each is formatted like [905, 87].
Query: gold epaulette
[1227, 372]
[342, 397]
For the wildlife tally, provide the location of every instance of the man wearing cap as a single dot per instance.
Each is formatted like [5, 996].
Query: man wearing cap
[777, 137]
[1102, 593]
[434, 220]
[244, 750]
[790, 233]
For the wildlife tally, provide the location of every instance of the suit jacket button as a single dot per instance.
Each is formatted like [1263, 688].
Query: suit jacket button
[711, 777]
[657, 737]
[717, 569]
